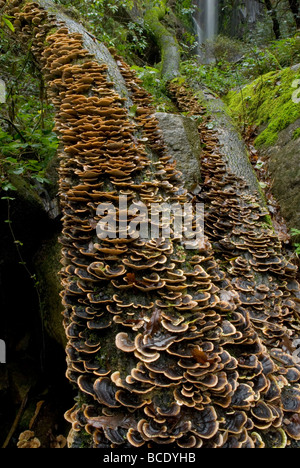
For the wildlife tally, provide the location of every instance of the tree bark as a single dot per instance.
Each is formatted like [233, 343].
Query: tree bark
[294, 6]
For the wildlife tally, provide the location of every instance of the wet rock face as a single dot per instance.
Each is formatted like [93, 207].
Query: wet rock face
[182, 140]
[284, 168]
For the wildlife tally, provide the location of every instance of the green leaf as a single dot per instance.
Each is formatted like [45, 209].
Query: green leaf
[295, 232]
[17, 242]
[41, 179]
[259, 164]
[34, 163]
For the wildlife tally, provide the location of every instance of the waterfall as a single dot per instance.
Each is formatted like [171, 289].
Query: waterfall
[205, 20]
[211, 18]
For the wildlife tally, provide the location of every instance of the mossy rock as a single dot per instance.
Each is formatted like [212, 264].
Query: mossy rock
[267, 103]
[29, 219]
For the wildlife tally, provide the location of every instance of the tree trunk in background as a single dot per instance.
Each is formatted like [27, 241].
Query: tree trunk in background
[294, 6]
[272, 12]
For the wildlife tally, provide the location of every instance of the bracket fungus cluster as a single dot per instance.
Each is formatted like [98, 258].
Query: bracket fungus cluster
[164, 345]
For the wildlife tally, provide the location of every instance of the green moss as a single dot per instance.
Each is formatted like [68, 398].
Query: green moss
[25, 191]
[267, 103]
[157, 87]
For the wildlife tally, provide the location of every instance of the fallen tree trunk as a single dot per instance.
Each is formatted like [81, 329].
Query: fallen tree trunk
[169, 47]
[166, 345]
